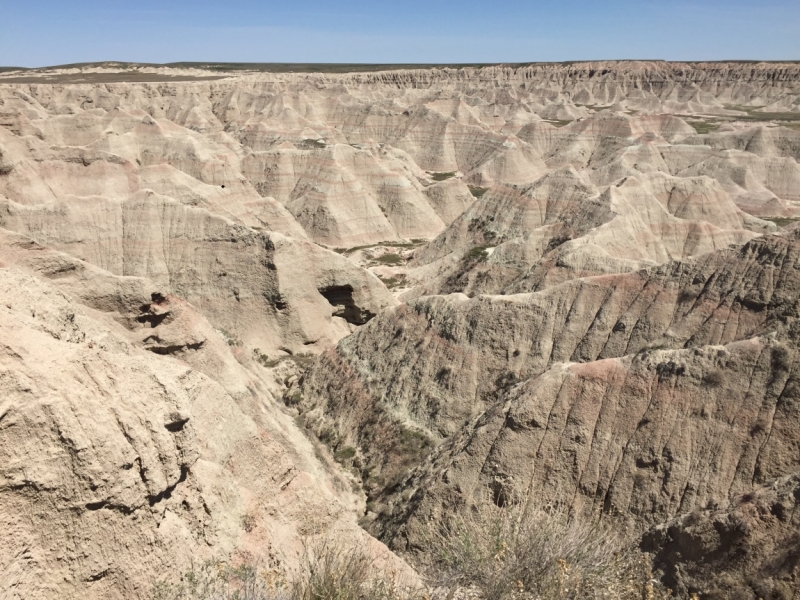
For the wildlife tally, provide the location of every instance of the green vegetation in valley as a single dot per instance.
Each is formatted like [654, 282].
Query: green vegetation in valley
[443, 176]
[390, 259]
[558, 122]
[781, 221]
[411, 244]
[478, 191]
[754, 114]
[704, 126]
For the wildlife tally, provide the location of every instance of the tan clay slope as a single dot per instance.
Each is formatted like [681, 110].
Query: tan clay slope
[418, 374]
[116, 470]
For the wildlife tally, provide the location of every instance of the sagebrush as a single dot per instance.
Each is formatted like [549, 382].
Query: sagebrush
[508, 553]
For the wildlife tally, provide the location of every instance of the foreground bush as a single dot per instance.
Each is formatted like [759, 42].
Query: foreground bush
[327, 570]
[517, 552]
[512, 553]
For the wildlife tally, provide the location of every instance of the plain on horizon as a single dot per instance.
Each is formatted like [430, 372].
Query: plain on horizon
[47, 32]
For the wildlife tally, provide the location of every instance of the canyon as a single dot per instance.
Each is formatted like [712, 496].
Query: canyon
[242, 308]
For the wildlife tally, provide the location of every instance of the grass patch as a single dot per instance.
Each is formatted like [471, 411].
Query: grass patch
[390, 259]
[558, 122]
[704, 126]
[393, 282]
[781, 221]
[412, 244]
[477, 191]
[442, 176]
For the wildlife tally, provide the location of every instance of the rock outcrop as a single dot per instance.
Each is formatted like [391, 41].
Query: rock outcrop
[637, 396]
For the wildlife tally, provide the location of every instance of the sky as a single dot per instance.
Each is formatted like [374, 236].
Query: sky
[36, 33]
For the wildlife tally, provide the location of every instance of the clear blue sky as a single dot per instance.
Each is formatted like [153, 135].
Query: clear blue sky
[48, 32]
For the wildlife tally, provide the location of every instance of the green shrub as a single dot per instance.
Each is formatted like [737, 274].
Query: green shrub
[477, 254]
[442, 176]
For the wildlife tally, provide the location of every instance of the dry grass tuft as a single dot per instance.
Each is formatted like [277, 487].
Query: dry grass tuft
[327, 570]
[508, 553]
[519, 553]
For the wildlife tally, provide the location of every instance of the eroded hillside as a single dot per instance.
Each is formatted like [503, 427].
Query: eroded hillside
[241, 309]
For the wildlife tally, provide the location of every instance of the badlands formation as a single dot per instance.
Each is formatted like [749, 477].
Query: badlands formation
[242, 309]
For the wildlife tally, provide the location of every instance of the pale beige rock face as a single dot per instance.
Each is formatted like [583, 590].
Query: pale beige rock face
[243, 280]
[133, 442]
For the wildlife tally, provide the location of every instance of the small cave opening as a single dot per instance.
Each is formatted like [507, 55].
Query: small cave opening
[341, 298]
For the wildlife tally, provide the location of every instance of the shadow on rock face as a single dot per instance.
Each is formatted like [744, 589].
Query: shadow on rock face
[341, 298]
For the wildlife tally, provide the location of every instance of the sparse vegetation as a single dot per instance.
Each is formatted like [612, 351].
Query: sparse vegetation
[390, 259]
[781, 221]
[265, 360]
[412, 244]
[230, 339]
[344, 453]
[443, 176]
[704, 126]
[394, 281]
[308, 143]
[327, 570]
[754, 114]
[492, 553]
[477, 254]
[217, 580]
[558, 122]
[652, 347]
[303, 361]
[293, 398]
[477, 191]
[523, 553]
